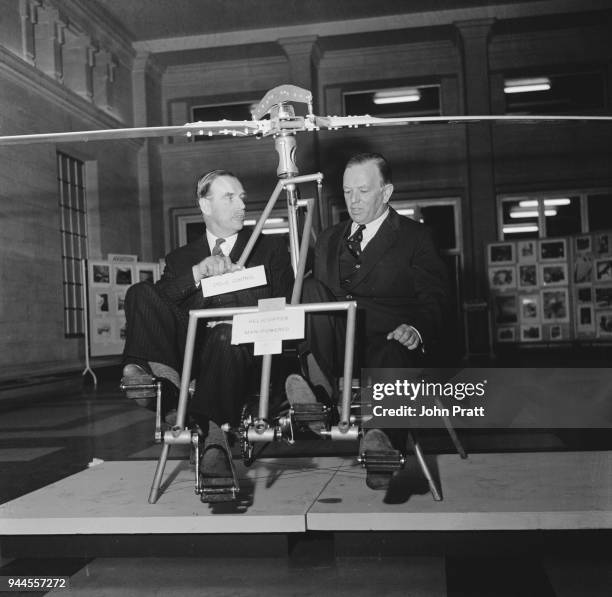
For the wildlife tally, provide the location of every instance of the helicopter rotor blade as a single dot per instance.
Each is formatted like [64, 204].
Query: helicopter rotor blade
[236, 128]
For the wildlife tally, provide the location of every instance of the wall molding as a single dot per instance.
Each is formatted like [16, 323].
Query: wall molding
[366, 25]
[31, 79]
[100, 26]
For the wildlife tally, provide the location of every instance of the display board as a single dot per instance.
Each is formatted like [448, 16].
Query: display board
[551, 290]
[107, 284]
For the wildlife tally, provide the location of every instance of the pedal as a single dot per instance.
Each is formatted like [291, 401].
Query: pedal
[310, 413]
[137, 383]
[383, 461]
[221, 483]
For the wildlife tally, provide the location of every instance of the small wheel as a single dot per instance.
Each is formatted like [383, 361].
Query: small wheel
[246, 447]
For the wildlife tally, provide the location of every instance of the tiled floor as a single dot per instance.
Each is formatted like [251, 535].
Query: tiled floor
[44, 441]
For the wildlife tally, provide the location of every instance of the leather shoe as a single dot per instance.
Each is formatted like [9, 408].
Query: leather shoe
[215, 463]
[376, 440]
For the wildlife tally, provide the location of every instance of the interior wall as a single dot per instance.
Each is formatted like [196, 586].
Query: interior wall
[31, 289]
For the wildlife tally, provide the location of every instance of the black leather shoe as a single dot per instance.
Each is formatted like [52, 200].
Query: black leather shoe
[376, 441]
[216, 456]
[140, 385]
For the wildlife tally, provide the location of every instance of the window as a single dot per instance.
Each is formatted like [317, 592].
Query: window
[421, 100]
[553, 214]
[189, 226]
[599, 210]
[578, 93]
[73, 230]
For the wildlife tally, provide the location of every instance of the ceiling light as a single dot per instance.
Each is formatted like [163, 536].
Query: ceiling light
[516, 229]
[526, 85]
[547, 202]
[397, 96]
[268, 221]
[528, 213]
[275, 230]
[407, 211]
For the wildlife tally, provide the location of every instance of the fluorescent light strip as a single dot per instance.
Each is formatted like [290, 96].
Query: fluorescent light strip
[513, 229]
[268, 221]
[526, 85]
[408, 211]
[397, 96]
[399, 99]
[547, 202]
[275, 230]
[531, 214]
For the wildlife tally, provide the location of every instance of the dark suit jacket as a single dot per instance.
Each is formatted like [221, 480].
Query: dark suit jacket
[177, 283]
[401, 278]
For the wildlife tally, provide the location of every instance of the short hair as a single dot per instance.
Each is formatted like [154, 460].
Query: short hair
[383, 166]
[205, 180]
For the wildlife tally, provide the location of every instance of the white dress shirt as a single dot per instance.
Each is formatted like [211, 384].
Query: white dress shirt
[370, 230]
[226, 249]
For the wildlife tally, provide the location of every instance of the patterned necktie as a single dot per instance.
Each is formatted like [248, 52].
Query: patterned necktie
[217, 248]
[353, 242]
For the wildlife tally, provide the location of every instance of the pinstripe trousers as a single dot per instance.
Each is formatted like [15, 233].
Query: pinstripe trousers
[156, 332]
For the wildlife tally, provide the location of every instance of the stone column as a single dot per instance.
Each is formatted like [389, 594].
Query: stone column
[479, 219]
[146, 79]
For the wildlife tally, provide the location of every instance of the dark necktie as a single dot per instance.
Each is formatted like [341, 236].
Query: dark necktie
[217, 248]
[353, 242]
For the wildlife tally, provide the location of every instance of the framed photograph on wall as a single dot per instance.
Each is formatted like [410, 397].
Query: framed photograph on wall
[604, 324]
[526, 250]
[583, 269]
[531, 333]
[101, 303]
[506, 310]
[556, 333]
[501, 253]
[99, 273]
[123, 275]
[147, 273]
[506, 334]
[585, 321]
[582, 244]
[555, 305]
[553, 250]
[603, 297]
[502, 278]
[102, 330]
[602, 244]
[529, 307]
[553, 274]
[528, 276]
[603, 270]
[120, 302]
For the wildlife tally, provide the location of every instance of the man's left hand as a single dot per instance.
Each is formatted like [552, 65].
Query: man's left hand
[405, 335]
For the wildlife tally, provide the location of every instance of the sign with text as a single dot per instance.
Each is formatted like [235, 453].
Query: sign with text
[268, 326]
[234, 281]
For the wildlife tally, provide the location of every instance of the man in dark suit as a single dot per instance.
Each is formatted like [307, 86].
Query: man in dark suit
[388, 264]
[157, 315]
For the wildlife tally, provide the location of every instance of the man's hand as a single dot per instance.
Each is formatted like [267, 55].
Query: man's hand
[216, 265]
[405, 335]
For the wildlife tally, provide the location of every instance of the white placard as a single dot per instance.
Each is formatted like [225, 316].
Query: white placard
[244, 278]
[268, 326]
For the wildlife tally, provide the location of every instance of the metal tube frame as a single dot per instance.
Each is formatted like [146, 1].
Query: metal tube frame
[176, 434]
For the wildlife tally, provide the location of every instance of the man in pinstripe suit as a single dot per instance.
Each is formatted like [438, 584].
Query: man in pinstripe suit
[157, 315]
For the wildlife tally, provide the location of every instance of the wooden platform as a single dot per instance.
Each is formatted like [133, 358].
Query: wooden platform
[559, 490]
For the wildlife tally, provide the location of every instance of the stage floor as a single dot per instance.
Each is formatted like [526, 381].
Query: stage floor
[527, 491]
